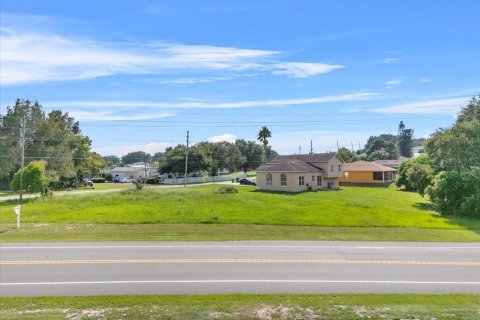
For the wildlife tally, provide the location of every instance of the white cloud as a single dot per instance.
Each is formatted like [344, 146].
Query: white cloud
[29, 57]
[303, 70]
[394, 82]
[89, 115]
[224, 137]
[196, 80]
[424, 80]
[217, 105]
[389, 60]
[437, 106]
[150, 147]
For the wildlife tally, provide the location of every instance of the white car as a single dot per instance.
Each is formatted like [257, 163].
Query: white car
[126, 180]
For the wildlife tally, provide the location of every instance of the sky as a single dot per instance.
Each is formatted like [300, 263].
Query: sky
[139, 74]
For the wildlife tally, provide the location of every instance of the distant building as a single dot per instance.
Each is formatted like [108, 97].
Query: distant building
[367, 172]
[296, 173]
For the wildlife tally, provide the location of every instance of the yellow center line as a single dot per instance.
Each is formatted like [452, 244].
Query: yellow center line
[279, 261]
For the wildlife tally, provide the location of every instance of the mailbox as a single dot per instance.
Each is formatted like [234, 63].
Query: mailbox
[17, 212]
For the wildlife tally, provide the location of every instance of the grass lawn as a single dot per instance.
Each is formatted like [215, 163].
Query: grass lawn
[244, 307]
[368, 209]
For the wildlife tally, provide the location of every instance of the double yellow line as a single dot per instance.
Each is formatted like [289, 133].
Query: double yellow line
[239, 261]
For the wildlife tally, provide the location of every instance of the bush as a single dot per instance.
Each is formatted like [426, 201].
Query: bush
[98, 180]
[108, 177]
[456, 192]
[139, 183]
[226, 189]
[33, 177]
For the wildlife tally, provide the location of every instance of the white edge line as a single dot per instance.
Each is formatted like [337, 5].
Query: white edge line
[237, 281]
[225, 246]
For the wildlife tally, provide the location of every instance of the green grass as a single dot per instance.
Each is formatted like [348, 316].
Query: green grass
[367, 208]
[463, 307]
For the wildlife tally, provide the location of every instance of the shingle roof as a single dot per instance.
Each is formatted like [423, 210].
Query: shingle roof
[292, 165]
[366, 166]
[314, 157]
[391, 163]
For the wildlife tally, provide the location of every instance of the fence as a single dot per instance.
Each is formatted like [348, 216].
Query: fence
[229, 177]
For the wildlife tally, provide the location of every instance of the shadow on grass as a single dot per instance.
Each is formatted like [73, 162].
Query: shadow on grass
[370, 185]
[285, 193]
[14, 202]
[464, 222]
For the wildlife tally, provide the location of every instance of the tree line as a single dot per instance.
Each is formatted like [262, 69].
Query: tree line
[449, 174]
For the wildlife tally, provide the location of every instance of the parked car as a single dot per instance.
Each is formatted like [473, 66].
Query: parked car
[125, 180]
[88, 182]
[117, 178]
[247, 182]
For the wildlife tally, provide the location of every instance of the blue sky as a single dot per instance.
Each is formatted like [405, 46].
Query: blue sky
[139, 74]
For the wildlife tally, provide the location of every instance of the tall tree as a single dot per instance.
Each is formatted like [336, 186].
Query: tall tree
[380, 149]
[405, 137]
[347, 155]
[263, 136]
[112, 161]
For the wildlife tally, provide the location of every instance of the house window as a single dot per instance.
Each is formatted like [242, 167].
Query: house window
[283, 179]
[339, 168]
[313, 178]
[269, 179]
[331, 168]
[301, 181]
[319, 181]
[378, 176]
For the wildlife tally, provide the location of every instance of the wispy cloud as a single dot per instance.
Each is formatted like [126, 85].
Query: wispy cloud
[215, 105]
[389, 60]
[424, 80]
[304, 70]
[150, 147]
[89, 115]
[437, 106]
[394, 82]
[224, 137]
[53, 57]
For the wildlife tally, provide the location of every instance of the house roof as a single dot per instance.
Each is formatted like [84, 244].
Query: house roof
[292, 165]
[391, 163]
[314, 157]
[366, 166]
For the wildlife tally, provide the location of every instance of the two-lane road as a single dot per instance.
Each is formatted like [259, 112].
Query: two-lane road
[41, 269]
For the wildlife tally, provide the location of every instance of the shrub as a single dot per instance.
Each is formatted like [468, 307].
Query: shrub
[98, 180]
[108, 177]
[139, 183]
[226, 189]
[33, 177]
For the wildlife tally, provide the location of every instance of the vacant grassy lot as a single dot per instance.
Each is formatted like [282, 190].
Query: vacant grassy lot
[352, 207]
[463, 307]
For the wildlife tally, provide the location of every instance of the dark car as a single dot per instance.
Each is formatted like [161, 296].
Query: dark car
[247, 182]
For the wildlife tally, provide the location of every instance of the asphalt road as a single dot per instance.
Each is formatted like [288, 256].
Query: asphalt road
[45, 269]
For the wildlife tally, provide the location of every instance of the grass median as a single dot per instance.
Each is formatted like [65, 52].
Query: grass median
[244, 307]
[200, 213]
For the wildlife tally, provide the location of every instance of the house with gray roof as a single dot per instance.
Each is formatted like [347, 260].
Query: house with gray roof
[301, 172]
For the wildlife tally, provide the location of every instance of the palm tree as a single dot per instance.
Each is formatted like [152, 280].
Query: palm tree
[263, 135]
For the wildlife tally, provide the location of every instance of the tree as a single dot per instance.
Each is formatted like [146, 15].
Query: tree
[157, 156]
[380, 149]
[34, 178]
[455, 151]
[253, 154]
[420, 176]
[347, 155]
[263, 136]
[173, 160]
[112, 161]
[458, 147]
[136, 156]
[405, 137]
[55, 137]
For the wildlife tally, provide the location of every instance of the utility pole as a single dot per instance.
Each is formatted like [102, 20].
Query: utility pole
[352, 145]
[300, 149]
[186, 163]
[337, 146]
[311, 146]
[22, 139]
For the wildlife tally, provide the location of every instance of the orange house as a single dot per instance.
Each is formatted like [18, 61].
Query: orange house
[367, 172]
